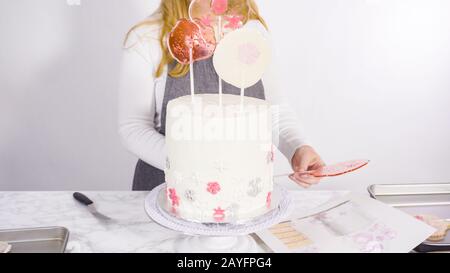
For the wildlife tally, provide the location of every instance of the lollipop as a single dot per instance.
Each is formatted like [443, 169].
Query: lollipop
[219, 7]
[212, 13]
[333, 170]
[340, 168]
[187, 36]
[241, 58]
[191, 41]
[201, 10]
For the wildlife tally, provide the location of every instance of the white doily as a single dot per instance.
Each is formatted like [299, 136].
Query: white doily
[281, 199]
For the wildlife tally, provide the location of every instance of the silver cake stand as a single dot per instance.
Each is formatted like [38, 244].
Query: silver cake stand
[217, 237]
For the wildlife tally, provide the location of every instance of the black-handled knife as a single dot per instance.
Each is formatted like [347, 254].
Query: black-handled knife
[83, 199]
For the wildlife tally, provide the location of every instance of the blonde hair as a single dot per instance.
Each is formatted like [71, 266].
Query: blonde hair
[170, 12]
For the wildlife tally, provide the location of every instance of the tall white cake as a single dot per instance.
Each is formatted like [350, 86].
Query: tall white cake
[219, 158]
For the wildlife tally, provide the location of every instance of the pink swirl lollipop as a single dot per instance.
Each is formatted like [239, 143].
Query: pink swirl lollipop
[219, 7]
[340, 168]
[209, 12]
[333, 170]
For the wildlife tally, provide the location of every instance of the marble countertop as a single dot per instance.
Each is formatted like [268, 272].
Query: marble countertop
[132, 230]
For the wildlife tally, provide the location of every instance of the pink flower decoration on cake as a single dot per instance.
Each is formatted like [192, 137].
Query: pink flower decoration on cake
[269, 199]
[219, 214]
[234, 22]
[174, 197]
[219, 7]
[174, 210]
[213, 187]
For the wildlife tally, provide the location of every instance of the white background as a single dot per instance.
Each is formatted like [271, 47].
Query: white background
[368, 79]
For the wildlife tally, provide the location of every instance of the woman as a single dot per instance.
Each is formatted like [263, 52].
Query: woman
[151, 78]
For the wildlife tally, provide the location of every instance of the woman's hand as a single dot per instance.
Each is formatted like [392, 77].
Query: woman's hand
[305, 159]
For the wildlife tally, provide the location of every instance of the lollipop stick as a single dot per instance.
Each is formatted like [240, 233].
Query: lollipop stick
[242, 89]
[219, 27]
[191, 73]
[242, 98]
[220, 91]
[288, 174]
[218, 38]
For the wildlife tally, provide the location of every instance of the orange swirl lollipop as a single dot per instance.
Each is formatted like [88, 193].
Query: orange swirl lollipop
[191, 41]
[187, 36]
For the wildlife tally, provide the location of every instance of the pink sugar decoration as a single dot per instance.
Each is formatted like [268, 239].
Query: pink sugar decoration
[213, 187]
[248, 53]
[219, 214]
[206, 20]
[174, 197]
[234, 22]
[219, 7]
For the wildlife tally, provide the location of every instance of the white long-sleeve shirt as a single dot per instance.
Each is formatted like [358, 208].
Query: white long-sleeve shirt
[141, 97]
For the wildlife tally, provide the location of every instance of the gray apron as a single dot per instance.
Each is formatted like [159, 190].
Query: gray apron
[146, 177]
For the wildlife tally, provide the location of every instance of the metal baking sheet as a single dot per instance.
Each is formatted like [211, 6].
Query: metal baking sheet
[36, 240]
[405, 195]
[417, 199]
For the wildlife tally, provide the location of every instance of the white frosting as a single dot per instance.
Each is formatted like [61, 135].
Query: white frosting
[220, 158]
